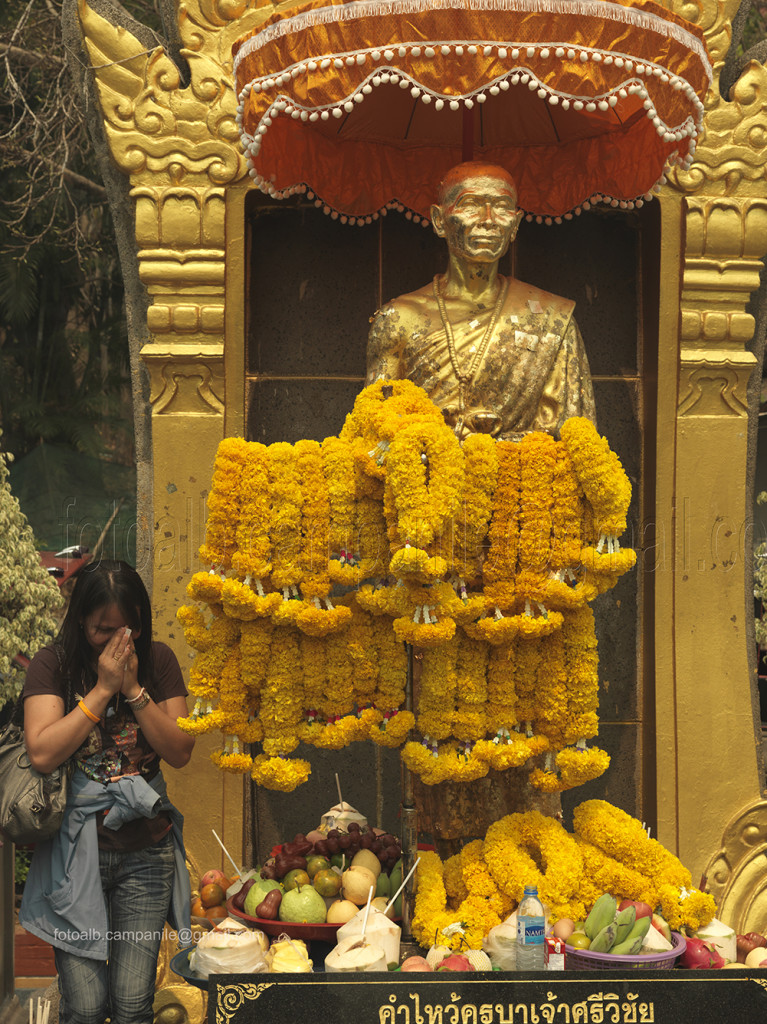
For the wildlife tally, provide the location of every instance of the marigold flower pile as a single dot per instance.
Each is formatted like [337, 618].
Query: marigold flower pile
[609, 852]
[485, 555]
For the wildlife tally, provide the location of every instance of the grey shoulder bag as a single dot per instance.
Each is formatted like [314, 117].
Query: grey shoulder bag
[31, 805]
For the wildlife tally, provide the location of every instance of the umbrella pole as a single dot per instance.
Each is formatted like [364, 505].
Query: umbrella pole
[468, 135]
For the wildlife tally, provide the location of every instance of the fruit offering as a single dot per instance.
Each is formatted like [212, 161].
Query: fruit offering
[325, 880]
[628, 929]
[208, 903]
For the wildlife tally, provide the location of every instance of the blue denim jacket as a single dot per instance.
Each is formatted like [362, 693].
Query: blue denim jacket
[61, 903]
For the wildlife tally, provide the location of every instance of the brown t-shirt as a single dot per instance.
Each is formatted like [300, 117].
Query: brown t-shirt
[116, 746]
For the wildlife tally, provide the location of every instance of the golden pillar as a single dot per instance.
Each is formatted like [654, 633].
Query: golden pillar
[179, 146]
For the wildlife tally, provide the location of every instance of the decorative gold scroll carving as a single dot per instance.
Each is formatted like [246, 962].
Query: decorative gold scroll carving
[713, 388]
[183, 385]
[736, 874]
[732, 153]
[725, 239]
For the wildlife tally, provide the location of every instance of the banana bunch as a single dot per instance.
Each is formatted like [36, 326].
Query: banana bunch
[612, 931]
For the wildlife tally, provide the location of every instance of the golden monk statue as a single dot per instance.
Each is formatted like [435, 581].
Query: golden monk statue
[498, 356]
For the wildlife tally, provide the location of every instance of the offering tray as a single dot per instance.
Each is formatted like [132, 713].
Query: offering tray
[293, 929]
[180, 965]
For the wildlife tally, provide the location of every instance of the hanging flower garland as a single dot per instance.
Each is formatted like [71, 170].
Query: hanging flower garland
[206, 587]
[437, 691]
[537, 464]
[338, 467]
[448, 763]
[252, 557]
[282, 694]
[469, 719]
[579, 720]
[501, 564]
[513, 518]
[285, 526]
[223, 503]
[279, 773]
[600, 474]
[481, 461]
[501, 689]
[240, 601]
[424, 478]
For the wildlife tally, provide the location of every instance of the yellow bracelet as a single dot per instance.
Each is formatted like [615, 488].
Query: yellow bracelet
[87, 712]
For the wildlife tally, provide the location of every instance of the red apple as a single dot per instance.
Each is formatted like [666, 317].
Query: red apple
[642, 909]
[214, 877]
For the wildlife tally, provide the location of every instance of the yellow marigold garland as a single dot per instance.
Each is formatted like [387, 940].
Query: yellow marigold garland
[285, 526]
[282, 694]
[475, 511]
[424, 478]
[600, 474]
[280, 773]
[469, 722]
[436, 701]
[338, 468]
[223, 503]
[252, 557]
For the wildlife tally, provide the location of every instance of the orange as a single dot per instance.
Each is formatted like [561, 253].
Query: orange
[216, 913]
[198, 910]
[212, 895]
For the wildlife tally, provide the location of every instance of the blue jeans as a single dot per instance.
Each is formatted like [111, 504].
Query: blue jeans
[137, 889]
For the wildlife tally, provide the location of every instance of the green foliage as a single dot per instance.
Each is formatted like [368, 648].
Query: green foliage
[28, 595]
[21, 866]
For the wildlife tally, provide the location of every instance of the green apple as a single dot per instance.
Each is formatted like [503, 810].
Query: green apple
[303, 904]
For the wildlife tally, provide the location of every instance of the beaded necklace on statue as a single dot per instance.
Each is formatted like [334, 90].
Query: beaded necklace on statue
[465, 378]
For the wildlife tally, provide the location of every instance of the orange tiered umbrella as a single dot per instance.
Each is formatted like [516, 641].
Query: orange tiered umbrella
[367, 104]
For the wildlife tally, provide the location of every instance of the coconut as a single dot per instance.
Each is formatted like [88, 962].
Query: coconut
[340, 816]
[355, 954]
[380, 930]
[721, 937]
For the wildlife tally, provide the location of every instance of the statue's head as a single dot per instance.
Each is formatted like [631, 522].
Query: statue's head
[476, 211]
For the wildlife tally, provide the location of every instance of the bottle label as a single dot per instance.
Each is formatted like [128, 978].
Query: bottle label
[530, 931]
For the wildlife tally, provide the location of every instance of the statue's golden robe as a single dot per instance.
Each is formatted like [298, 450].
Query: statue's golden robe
[534, 376]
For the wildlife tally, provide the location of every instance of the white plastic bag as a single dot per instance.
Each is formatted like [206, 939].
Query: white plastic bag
[230, 948]
[500, 944]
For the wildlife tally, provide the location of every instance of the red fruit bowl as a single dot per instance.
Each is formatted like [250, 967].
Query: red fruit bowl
[294, 929]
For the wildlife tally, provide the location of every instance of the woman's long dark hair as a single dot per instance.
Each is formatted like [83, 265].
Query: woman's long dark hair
[97, 586]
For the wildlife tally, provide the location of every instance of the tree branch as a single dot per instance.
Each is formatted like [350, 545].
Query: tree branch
[29, 56]
[86, 183]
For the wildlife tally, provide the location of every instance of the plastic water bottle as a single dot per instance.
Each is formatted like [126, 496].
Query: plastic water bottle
[531, 926]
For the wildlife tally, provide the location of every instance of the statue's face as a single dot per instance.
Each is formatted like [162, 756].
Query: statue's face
[478, 219]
